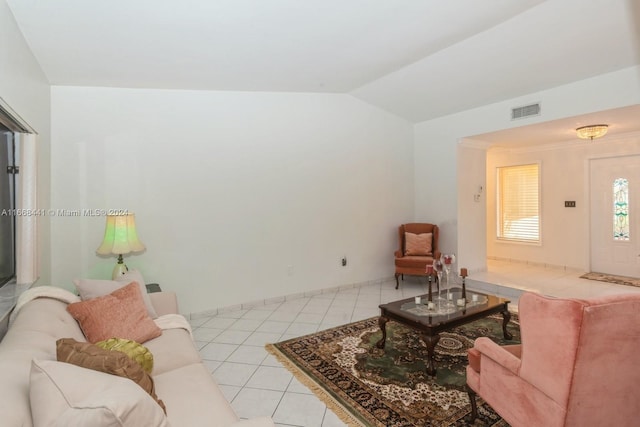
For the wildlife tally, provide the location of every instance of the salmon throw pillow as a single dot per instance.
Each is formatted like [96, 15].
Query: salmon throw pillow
[121, 314]
[418, 244]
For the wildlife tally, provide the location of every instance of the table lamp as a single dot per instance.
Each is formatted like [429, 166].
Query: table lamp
[120, 238]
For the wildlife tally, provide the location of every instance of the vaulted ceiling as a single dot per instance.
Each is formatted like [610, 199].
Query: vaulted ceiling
[419, 59]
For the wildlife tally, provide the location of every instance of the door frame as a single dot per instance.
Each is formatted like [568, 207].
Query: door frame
[587, 197]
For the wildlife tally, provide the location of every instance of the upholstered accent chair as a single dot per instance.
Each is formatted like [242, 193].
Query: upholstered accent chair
[577, 364]
[418, 248]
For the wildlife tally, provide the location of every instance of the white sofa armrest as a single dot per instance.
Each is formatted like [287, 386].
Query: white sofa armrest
[254, 422]
[164, 302]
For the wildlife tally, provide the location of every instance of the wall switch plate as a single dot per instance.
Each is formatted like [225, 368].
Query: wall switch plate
[569, 203]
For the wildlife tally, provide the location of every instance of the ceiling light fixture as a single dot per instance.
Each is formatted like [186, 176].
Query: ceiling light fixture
[592, 131]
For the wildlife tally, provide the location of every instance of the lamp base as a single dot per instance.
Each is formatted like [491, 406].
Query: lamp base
[120, 269]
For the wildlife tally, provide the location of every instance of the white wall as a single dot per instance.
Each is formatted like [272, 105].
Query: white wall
[238, 196]
[436, 141]
[25, 89]
[471, 202]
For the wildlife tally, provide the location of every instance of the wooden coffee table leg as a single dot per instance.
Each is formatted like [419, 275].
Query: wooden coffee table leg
[506, 316]
[431, 341]
[382, 322]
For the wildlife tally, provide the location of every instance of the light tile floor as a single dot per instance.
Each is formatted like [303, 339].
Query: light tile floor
[232, 344]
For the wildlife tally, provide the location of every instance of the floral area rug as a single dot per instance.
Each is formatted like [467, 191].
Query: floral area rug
[367, 386]
[610, 278]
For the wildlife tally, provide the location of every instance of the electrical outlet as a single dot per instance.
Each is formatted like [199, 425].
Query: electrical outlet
[344, 261]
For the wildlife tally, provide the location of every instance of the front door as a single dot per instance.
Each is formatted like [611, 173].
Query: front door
[615, 214]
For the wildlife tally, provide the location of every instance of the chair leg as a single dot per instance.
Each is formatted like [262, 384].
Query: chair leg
[474, 408]
[397, 284]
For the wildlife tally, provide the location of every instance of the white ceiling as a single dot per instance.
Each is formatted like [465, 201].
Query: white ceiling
[621, 121]
[419, 59]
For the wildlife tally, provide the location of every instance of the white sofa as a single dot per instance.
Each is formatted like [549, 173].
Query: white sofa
[182, 382]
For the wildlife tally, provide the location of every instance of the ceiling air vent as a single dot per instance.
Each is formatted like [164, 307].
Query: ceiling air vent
[525, 111]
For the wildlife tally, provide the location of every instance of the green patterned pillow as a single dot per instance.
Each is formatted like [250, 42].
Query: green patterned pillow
[134, 350]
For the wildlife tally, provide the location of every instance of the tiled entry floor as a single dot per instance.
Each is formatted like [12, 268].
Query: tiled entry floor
[232, 344]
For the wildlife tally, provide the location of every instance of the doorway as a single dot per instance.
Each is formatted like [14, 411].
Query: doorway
[614, 213]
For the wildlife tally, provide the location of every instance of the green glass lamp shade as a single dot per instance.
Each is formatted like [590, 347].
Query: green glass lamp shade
[120, 237]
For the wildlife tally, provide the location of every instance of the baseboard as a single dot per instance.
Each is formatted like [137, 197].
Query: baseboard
[536, 264]
[283, 298]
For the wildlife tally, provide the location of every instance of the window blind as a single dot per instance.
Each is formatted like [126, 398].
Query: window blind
[519, 203]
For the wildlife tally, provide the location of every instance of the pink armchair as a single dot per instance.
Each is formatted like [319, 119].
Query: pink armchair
[577, 364]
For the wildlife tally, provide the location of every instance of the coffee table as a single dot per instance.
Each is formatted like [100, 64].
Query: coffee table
[430, 322]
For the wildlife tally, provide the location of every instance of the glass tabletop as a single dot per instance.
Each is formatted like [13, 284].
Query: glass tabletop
[448, 303]
[445, 309]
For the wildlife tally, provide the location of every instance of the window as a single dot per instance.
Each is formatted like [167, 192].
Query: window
[621, 209]
[518, 198]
